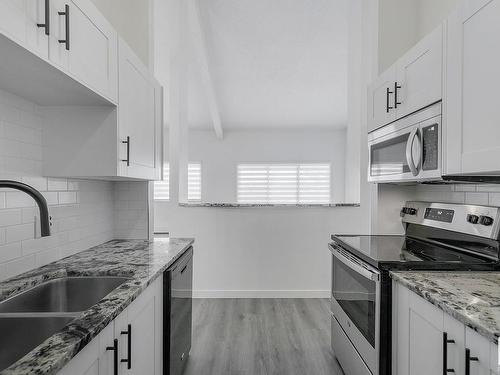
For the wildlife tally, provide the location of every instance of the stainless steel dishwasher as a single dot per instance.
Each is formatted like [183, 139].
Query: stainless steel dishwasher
[177, 314]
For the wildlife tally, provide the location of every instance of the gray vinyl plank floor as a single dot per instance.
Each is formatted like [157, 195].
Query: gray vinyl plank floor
[261, 337]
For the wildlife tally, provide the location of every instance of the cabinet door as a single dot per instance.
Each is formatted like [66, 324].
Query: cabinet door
[135, 116]
[479, 349]
[90, 53]
[425, 338]
[472, 109]
[419, 75]
[19, 20]
[138, 322]
[417, 334]
[455, 346]
[94, 359]
[381, 100]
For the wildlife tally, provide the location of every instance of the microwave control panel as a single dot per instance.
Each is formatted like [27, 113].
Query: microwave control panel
[430, 138]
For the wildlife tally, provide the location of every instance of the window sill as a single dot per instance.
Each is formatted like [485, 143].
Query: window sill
[257, 205]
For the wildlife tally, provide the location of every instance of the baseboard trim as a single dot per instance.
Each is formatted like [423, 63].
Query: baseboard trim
[261, 294]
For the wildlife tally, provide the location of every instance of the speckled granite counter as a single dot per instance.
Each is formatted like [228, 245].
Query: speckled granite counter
[142, 261]
[265, 205]
[471, 298]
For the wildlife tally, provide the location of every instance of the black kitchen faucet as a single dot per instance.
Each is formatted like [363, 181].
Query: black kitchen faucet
[39, 199]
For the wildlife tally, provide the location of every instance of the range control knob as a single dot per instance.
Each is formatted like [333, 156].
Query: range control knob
[408, 211]
[473, 219]
[412, 211]
[486, 220]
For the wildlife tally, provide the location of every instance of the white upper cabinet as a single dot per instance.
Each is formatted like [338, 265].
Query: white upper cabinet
[84, 43]
[381, 100]
[412, 83]
[27, 22]
[472, 109]
[420, 75]
[136, 116]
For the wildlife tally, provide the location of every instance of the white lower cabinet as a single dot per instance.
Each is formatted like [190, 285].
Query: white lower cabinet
[428, 341]
[136, 334]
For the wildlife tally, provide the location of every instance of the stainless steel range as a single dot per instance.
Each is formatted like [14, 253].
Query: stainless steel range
[437, 236]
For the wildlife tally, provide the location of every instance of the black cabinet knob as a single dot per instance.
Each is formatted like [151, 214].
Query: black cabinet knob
[486, 220]
[473, 219]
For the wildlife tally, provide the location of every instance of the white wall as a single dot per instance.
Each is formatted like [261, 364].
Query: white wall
[276, 252]
[220, 158]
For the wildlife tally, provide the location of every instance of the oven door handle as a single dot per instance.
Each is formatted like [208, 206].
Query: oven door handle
[414, 166]
[370, 275]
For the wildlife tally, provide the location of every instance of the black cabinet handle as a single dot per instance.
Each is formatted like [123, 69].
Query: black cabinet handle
[387, 99]
[446, 341]
[66, 19]
[114, 348]
[396, 88]
[128, 332]
[184, 268]
[127, 160]
[468, 360]
[46, 25]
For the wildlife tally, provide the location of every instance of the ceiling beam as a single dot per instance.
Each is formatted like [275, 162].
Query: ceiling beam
[201, 54]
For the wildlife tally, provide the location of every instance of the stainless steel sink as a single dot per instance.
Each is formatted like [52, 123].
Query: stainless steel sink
[18, 336]
[64, 295]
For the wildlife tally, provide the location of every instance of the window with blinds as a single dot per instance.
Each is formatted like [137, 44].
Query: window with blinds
[284, 183]
[194, 182]
[162, 188]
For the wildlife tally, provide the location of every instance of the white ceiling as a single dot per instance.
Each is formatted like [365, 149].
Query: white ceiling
[274, 63]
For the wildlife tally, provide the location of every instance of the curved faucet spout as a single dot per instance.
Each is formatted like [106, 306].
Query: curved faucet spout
[39, 199]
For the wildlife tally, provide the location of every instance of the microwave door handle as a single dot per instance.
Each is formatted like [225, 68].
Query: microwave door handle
[409, 152]
[354, 266]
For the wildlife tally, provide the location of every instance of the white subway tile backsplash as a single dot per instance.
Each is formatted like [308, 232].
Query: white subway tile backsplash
[17, 266]
[84, 213]
[67, 197]
[19, 233]
[18, 199]
[51, 197]
[476, 198]
[10, 251]
[57, 184]
[465, 187]
[494, 199]
[10, 217]
[489, 188]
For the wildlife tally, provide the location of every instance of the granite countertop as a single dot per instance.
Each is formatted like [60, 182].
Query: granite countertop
[257, 205]
[471, 298]
[141, 261]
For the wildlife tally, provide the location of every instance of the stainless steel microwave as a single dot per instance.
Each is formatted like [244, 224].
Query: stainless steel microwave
[407, 150]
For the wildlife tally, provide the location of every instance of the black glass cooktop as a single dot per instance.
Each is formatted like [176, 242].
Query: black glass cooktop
[400, 252]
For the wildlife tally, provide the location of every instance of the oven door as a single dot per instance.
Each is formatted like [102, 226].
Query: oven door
[356, 304]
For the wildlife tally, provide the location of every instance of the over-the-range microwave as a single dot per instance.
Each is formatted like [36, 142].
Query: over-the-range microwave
[407, 150]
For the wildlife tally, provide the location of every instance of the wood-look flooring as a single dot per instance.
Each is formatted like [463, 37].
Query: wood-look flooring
[261, 337]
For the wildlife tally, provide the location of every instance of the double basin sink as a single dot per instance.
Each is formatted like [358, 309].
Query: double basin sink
[29, 318]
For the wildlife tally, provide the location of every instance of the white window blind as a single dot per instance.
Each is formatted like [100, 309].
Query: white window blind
[162, 188]
[194, 182]
[284, 183]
